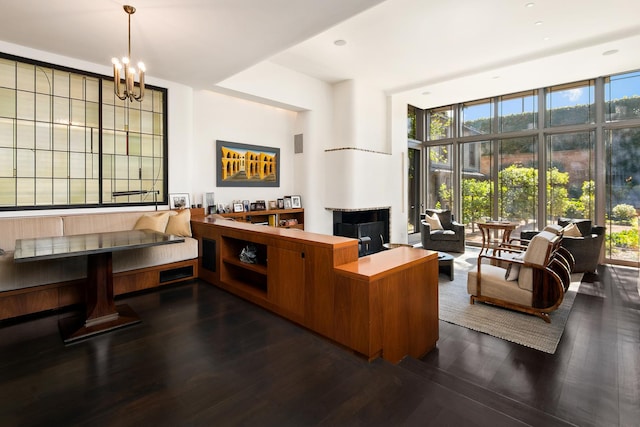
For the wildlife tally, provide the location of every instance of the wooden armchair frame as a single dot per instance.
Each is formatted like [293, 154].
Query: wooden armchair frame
[550, 280]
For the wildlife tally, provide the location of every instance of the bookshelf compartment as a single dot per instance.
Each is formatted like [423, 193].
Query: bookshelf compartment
[271, 217]
[248, 275]
[242, 277]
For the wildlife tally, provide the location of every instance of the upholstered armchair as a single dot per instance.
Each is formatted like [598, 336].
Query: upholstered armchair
[582, 239]
[440, 232]
[532, 281]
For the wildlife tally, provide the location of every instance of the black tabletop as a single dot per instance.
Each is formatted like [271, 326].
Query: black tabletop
[86, 244]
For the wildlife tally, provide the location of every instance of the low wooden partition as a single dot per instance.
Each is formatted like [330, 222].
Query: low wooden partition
[383, 305]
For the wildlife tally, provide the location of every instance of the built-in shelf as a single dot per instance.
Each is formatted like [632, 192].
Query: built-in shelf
[272, 217]
[258, 268]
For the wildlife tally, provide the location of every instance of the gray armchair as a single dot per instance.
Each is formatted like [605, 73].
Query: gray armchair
[449, 239]
[586, 249]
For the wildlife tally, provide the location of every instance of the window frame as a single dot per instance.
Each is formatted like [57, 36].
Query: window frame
[158, 195]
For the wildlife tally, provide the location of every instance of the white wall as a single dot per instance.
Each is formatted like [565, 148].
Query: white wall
[312, 100]
[221, 117]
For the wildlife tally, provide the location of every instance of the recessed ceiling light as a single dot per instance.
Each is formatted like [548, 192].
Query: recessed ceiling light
[610, 52]
[340, 42]
[495, 77]
[426, 92]
[529, 5]
[546, 38]
[538, 23]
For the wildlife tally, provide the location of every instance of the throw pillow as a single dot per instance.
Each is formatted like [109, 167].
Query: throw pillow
[512, 273]
[572, 230]
[513, 269]
[156, 221]
[445, 218]
[434, 222]
[584, 225]
[180, 224]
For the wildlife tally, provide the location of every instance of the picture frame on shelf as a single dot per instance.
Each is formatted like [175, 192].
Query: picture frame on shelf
[280, 203]
[246, 205]
[296, 202]
[287, 202]
[179, 201]
[238, 207]
[210, 200]
[273, 204]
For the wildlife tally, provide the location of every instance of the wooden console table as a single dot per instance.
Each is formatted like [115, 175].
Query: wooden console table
[382, 305]
[101, 314]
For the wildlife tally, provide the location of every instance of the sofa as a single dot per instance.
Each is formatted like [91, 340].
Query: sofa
[584, 241]
[440, 232]
[30, 287]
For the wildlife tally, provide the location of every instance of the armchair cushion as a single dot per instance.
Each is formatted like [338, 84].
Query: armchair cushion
[495, 286]
[537, 253]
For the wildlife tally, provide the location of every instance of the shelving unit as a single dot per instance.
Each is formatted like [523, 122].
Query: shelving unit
[253, 276]
[270, 217]
[383, 305]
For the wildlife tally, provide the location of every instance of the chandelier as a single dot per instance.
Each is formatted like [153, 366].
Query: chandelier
[129, 71]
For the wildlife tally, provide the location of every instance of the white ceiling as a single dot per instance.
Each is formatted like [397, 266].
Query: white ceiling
[432, 52]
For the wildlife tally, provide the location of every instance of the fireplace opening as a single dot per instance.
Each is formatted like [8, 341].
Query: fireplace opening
[370, 227]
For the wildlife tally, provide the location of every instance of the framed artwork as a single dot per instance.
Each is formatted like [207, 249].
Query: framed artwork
[296, 202]
[273, 204]
[287, 202]
[280, 203]
[238, 207]
[179, 201]
[244, 165]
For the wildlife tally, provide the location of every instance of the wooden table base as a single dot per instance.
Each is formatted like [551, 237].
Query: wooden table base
[102, 314]
[76, 328]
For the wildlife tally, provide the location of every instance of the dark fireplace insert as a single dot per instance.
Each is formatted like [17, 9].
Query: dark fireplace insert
[370, 227]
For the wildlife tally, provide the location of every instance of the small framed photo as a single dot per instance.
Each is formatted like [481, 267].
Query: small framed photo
[238, 207]
[296, 202]
[273, 204]
[287, 202]
[280, 203]
[246, 205]
[179, 201]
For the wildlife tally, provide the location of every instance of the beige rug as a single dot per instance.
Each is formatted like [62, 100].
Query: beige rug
[523, 329]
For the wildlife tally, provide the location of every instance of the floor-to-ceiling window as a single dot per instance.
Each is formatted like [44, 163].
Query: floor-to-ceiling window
[569, 150]
[622, 142]
[478, 186]
[518, 180]
[414, 203]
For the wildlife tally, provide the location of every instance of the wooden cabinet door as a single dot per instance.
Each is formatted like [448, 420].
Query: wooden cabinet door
[286, 280]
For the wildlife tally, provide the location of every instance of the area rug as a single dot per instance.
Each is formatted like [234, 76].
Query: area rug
[523, 329]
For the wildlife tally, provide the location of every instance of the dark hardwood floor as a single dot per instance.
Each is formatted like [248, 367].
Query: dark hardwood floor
[202, 357]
